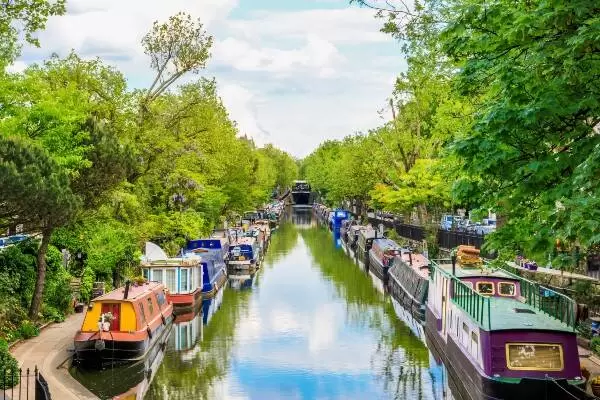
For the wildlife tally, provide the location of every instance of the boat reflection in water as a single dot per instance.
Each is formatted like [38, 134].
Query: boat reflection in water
[130, 381]
[240, 281]
[211, 306]
[302, 218]
[186, 335]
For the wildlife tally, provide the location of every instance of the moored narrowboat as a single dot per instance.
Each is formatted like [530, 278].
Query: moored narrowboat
[408, 283]
[364, 243]
[182, 276]
[381, 256]
[244, 253]
[214, 269]
[123, 325]
[504, 336]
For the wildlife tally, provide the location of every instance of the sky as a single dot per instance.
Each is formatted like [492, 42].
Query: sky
[291, 72]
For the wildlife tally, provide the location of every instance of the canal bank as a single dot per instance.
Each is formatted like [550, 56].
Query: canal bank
[50, 352]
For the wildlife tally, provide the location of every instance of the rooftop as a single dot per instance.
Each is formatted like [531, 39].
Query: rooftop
[508, 313]
[476, 272]
[134, 291]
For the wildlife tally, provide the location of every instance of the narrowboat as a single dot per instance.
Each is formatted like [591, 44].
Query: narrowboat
[364, 243]
[505, 337]
[407, 285]
[182, 276]
[244, 253]
[214, 269]
[381, 256]
[254, 231]
[123, 325]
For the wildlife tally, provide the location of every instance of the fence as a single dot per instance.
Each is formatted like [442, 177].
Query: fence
[23, 385]
[446, 239]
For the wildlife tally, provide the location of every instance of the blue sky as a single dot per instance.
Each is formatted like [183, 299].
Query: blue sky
[291, 72]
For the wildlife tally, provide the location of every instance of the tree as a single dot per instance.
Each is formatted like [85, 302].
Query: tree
[22, 18]
[175, 47]
[36, 192]
[533, 150]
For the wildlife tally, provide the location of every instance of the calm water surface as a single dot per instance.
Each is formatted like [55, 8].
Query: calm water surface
[308, 325]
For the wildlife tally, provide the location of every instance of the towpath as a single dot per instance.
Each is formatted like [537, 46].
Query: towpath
[49, 351]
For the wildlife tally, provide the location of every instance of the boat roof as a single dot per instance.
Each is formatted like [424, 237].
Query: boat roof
[185, 261]
[386, 243]
[244, 240]
[510, 314]
[476, 272]
[135, 291]
[419, 262]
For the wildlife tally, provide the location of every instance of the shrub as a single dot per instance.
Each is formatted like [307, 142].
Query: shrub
[28, 330]
[595, 344]
[9, 367]
[52, 314]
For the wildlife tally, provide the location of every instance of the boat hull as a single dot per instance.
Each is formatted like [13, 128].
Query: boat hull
[108, 348]
[185, 302]
[378, 269]
[473, 385]
[210, 289]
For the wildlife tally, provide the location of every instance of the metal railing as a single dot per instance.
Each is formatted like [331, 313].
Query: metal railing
[473, 303]
[550, 302]
[23, 385]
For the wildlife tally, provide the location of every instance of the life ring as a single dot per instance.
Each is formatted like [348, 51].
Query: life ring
[149, 331]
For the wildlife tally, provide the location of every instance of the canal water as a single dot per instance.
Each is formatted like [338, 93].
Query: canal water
[309, 324]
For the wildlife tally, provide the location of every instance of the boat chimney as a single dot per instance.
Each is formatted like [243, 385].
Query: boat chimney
[453, 264]
[127, 283]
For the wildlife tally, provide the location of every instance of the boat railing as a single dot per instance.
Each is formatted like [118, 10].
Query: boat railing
[464, 296]
[548, 301]
[473, 303]
[539, 297]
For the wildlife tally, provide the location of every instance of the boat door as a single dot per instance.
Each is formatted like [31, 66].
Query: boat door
[115, 310]
[444, 304]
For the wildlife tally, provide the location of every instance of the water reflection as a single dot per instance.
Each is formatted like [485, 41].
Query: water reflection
[308, 325]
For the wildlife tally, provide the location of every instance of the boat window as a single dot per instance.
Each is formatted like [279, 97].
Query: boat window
[146, 273]
[157, 275]
[184, 280]
[150, 306]
[534, 357]
[486, 288]
[506, 289]
[142, 312]
[465, 335]
[160, 298]
[469, 284]
[171, 280]
[474, 344]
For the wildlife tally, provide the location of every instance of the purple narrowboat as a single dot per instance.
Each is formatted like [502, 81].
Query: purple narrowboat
[503, 336]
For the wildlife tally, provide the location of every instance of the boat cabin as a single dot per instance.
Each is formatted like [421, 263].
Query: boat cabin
[182, 277]
[385, 250]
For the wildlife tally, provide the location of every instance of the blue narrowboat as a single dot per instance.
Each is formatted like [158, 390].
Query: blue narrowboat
[214, 269]
[244, 253]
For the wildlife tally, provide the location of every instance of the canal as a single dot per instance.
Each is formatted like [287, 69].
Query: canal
[309, 325]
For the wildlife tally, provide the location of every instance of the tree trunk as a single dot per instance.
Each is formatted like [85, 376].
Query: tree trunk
[36, 302]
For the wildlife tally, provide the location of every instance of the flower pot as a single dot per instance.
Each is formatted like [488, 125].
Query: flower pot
[595, 389]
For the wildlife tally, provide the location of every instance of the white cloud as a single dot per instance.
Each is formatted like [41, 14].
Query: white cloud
[292, 78]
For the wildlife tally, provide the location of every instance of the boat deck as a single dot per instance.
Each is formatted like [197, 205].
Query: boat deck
[419, 263]
[506, 317]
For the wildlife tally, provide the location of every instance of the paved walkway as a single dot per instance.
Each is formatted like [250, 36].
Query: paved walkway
[49, 352]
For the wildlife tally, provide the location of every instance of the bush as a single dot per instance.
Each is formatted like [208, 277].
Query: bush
[595, 344]
[52, 314]
[8, 366]
[28, 330]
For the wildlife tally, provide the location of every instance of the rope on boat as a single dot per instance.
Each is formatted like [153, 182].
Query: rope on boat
[566, 391]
